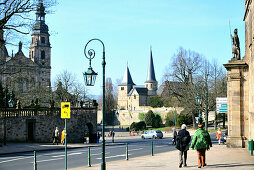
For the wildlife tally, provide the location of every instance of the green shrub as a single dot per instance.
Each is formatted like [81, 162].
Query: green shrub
[149, 117]
[157, 121]
[155, 101]
[184, 119]
[138, 126]
[170, 119]
[141, 116]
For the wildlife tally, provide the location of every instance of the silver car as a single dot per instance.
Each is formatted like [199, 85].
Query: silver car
[152, 134]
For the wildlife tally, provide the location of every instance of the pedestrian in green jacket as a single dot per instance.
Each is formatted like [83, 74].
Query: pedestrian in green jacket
[201, 142]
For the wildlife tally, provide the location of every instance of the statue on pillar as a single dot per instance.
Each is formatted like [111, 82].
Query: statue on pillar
[236, 46]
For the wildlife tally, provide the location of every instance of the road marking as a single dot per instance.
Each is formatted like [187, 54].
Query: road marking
[159, 146]
[77, 153]
[16, 159]
[108, 157]
[135, 149]
[48, 160]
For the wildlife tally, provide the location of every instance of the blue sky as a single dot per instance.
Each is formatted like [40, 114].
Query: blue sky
[129, 27]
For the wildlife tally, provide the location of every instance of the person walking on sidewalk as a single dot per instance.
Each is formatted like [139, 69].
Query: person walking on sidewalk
[182, 144]
[63, 137]
[174, 136]
[56, 136]
[201, 142]
[218, 135]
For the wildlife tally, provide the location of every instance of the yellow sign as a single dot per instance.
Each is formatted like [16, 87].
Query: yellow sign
[65, 110]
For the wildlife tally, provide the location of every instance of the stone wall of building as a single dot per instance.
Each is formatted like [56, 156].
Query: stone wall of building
[127, 117]
[38, 126]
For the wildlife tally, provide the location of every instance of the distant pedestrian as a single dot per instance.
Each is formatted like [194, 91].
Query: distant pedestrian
[174, 136]
[218, 135]
[56, 136]
[224, 138]
[182, 144]
[63, 137]
[201, 142]
[98, 137]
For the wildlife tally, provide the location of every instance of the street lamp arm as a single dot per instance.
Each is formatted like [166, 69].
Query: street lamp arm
[91, 52]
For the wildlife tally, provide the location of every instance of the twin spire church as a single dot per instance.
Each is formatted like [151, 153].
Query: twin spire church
[130, 96]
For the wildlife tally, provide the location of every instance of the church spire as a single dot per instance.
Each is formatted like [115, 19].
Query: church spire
[127, 80]
[150, 72]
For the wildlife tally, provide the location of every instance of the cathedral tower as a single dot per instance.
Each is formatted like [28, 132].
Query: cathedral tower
[151, 83]
[40, 49]
[124, 88]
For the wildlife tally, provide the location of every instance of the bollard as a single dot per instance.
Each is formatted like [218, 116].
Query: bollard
[251, 147]
[127, 156]
[35, 164]
[89, 157]
[152, 148]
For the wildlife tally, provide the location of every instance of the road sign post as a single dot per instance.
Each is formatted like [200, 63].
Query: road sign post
[65, 114]
[222, 107]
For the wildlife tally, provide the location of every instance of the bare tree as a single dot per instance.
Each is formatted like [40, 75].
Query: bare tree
[184, 67]
[15, 18]
[110, 101]
[67, 88]
[14, 14]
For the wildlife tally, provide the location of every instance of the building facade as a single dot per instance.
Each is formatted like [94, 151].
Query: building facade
[240, 88]
[28, 77]
[130, 96]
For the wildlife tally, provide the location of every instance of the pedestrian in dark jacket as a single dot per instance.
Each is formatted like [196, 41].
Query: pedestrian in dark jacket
[182, 144]
[174, 136]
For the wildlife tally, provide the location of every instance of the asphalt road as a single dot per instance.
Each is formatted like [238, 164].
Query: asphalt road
[47, 160]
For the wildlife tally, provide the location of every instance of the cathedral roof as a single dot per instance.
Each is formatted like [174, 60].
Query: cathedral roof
[20, 59]
[127, 80]
[150, 72]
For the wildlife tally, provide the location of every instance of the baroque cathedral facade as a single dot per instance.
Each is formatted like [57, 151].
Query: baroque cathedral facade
[29, 77]
[130, 96]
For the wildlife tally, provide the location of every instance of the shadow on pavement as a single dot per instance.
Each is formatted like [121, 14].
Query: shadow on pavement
[228, 165]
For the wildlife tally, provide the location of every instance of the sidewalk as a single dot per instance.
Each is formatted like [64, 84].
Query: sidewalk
[219, 157]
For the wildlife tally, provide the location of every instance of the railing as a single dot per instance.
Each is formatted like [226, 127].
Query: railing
[29, 112]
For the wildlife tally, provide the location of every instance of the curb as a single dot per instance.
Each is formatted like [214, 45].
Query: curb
[62, 148]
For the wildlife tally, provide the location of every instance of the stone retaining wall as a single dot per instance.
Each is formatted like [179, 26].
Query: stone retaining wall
[38, 126]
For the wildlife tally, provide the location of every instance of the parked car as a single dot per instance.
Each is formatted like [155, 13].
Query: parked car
[152, 134]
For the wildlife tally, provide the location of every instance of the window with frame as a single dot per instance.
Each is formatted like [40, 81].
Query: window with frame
[43, 40]
[122, 88]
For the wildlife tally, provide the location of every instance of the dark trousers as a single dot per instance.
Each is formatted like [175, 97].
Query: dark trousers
[201, 157]
[183, 157]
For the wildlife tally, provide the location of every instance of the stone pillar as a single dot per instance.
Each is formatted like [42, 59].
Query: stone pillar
[234, 95]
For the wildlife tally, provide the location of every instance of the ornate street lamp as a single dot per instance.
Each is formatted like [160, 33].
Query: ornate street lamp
[90, 77]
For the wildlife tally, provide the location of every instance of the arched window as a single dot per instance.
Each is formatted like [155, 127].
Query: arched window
[43, 40]
[42, 55]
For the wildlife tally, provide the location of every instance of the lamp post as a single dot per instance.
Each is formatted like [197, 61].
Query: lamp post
[206, 103]
[198, 102]
[90, 77]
